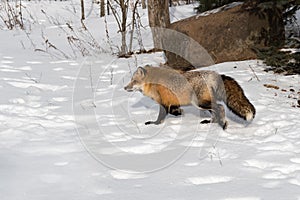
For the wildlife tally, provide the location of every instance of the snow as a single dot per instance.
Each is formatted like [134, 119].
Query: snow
[220, 9]
[68, 130]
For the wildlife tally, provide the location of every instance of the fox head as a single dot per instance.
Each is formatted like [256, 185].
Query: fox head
[137, 80]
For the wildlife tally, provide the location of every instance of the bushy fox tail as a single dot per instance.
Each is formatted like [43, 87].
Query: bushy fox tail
[236, 100]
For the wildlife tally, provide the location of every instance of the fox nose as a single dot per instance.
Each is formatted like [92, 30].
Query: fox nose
[128, 88]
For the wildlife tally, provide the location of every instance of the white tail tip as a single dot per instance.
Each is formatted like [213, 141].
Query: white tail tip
[249, 116]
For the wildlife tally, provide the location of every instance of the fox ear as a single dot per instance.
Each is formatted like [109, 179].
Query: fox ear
[141, 71]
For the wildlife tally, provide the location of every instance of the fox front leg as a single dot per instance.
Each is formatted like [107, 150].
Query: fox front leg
[175, 110]
[161, 116]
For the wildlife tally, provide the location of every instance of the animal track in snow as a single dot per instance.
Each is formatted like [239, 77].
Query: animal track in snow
[209, 180]
[259, 164]
[7, 62]
[295, 160]
[126, 175]
[274, 175]
[295, 182]
[61, 163]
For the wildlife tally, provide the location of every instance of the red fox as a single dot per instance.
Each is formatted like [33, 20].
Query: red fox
[202, 89]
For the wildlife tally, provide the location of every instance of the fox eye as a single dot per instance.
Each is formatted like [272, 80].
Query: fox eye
[134, 81]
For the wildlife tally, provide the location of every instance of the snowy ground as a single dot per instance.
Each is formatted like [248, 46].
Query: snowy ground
[67, 127]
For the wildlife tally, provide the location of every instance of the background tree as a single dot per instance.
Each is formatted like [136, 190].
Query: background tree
[121, 21]
[144, 4]
[273, 11]
[281, 14]
[102, 8]
[159, 16]
[82, 10]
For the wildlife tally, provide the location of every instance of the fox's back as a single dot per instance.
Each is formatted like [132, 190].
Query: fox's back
[206, 84]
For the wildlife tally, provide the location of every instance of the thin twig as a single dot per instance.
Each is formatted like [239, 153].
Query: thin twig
[111, 75]
[254, 73]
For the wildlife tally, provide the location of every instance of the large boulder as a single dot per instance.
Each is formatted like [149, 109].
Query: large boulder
[229, 35]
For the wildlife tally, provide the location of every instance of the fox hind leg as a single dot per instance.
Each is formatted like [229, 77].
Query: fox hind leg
[218, 115]
[217, 111]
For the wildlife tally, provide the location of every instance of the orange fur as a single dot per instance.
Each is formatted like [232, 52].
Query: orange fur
[205, 99]
[165, 96]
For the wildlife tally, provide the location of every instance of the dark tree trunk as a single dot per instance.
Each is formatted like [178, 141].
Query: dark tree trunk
[102, 8]
[159, 17]
[277, 31]
[82, 10]
[123, 6]
[107, 7]
[144, 4]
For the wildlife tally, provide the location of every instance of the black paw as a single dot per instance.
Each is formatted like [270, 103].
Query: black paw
[175, 110]
[206, 121]
[225, 125]
[152, 122]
